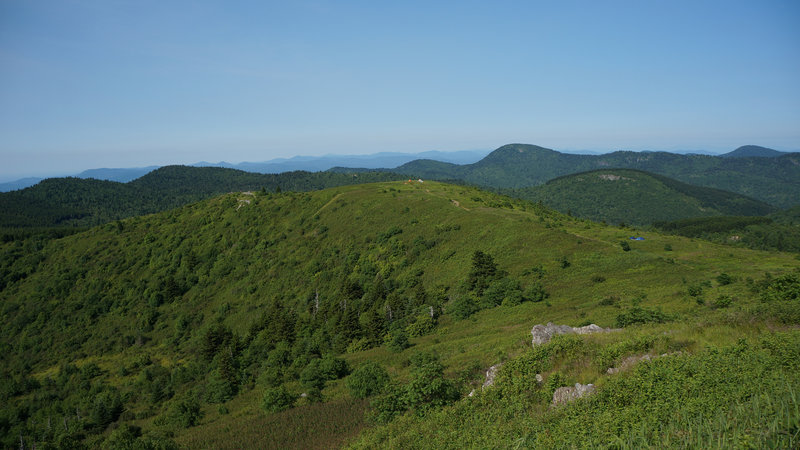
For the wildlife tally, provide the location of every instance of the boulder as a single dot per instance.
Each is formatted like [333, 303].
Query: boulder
[627, 363]
[630, 361]
[566, 394]
[543, 333]
[490, 374]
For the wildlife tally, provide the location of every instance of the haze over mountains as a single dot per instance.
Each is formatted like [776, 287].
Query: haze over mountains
[383, 160]
[278, 165]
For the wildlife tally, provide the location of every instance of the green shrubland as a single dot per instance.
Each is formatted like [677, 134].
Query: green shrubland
[384, 304]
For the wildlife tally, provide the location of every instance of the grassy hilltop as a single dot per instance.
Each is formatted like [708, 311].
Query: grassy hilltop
[200, 326]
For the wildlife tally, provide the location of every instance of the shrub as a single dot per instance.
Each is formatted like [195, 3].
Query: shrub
[333, 368]
[625, 246]
[503, 291]
[609, 301]
[464, 306]
[428, 388]
[724, 279]
[695, 290]
[536, 293]
[184, 413]
[397, 340]
[723, 301]
[312, 376]
[641, 315]
[277, 399]
[369, 379]
[422, 325]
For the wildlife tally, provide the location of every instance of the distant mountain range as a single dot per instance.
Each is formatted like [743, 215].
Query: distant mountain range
[371, 161]
[278, 165]
[774, 180]
[637, 197]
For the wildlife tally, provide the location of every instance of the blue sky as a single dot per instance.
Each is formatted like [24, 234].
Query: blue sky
[114, 83]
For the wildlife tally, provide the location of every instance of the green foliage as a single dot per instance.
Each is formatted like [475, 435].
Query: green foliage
[397, 340]
[129, 437]
[367, 380]
[695, 290]
[637, 197]
[780, 298]
[639, 315]
[184, 413]
[535, 292]
[208, 301]
[483, 272]
[724, 279]
[777, 231]
[463, 306]
[723, 301]
[625, 246]
[81, 202]
[422, 325]
[277, 399]
[742, 393]
[426, 390]
[506, 291]
[519, 166]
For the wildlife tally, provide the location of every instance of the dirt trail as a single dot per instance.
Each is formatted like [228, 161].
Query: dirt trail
[327, 204]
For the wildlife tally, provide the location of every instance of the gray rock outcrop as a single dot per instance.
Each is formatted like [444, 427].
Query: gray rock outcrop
[491, 373]
[628, 362]
[543, 333]
[568, 394]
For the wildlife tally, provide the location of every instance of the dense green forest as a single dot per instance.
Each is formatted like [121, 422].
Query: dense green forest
[86, 202]
[779, 231]
[636, 197]
[364, 315]
[774, 180]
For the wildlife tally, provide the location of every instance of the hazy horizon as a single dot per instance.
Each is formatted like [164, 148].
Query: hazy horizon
[131, 84]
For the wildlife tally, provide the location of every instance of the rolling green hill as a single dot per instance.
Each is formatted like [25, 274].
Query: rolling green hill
[200, 326]
[772, 180]
[636, 197]
[86, 202]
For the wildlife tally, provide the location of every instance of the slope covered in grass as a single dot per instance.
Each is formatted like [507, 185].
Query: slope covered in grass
[208, 321]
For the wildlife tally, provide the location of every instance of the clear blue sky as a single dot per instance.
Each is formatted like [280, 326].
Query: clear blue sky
[114, 83]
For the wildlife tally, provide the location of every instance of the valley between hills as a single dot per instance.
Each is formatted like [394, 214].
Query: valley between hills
[329, 314]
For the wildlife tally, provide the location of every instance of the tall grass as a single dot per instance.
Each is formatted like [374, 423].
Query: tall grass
[316, 426]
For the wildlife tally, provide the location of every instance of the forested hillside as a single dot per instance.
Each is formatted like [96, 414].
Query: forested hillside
[779, 231]
[82, 202]
[773, 180]
[636, 197]
[203, 325]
